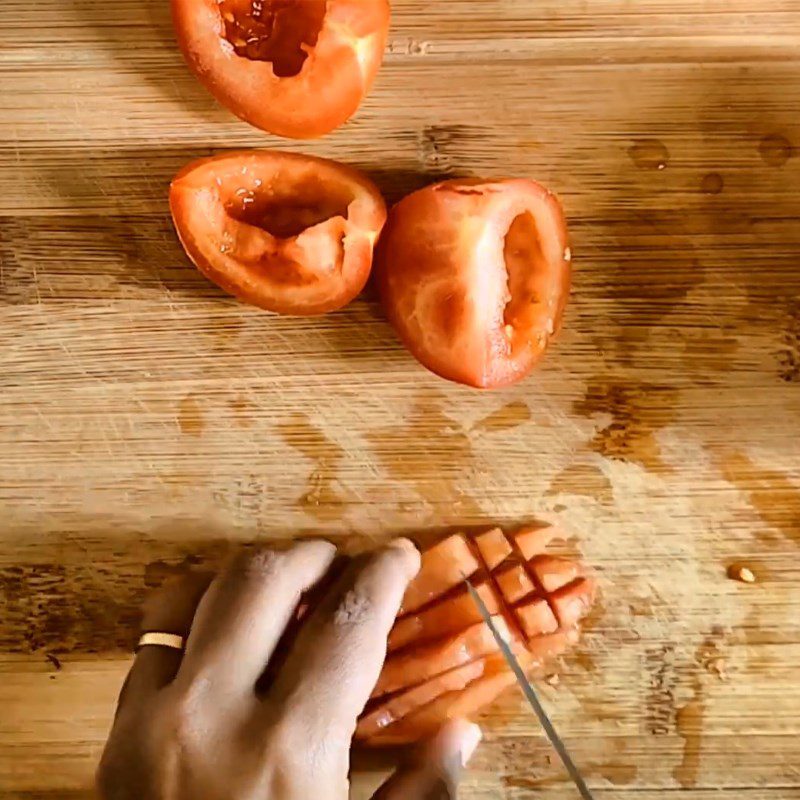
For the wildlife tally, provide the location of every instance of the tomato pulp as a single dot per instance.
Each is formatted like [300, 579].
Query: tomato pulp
[296, 68]
[289, 233]
[475, 276]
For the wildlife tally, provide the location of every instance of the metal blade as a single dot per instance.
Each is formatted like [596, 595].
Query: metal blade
[531, 696]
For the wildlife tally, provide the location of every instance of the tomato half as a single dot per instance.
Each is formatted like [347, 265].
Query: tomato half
[475, 276]
[296, 68]
[289, 233]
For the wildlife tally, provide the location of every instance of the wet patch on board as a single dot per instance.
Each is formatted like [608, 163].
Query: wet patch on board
[638, 411]
[505, 419]
[429, 452]
[322, 497]
[772, 495]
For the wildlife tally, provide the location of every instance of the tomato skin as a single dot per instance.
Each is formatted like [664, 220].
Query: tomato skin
[475, 276]
[306, 248]
[338, 71]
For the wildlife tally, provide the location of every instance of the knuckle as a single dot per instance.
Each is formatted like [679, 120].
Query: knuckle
[284, 739]
[183, 723]
[377, 585]
[182, 717]
[257, 563]
[296, 739]
[139, 745]
[355, 608]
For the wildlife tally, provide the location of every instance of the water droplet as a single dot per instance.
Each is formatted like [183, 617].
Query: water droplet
[775, 150]
[568, 255]
[712, 183]
[649, 154]
[385, 719]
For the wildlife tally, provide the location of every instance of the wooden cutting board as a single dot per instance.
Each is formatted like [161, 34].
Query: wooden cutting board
[147, 420]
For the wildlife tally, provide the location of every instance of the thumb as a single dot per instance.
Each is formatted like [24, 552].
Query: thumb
[435, 771]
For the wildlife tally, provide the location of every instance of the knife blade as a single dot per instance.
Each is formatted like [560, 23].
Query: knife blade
[531, 696]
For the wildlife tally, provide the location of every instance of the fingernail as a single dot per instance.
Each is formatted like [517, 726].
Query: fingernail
[470, 739]
[401, 543]
[411, 555]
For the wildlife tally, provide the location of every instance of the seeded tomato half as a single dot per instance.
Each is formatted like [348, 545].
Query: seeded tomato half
[289, 233]
[475, 275]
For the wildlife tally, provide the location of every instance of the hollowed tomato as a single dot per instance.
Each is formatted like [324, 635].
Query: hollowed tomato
[289, 233]
[296, 68]
[475, 276]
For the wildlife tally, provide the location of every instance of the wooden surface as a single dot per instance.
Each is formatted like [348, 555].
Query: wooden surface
[146, 419]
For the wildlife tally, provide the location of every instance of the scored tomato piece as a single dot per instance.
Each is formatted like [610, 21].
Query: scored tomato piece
[514, 583]
[295, 68]
[409, 669]
[532, 542]
[444, 566]
[475, 276]
[573, 602]
[289, 233]
[443, 659]
[553, 573]
[400, 705]
[536, 618]
[493, 547]
[451, 615]
[464, 703]
[546, 647]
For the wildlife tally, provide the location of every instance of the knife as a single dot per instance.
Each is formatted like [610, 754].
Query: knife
[531, 696]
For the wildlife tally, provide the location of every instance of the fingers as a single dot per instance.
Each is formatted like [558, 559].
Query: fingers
[170, 609]
[245, 612]
[337, 657]
[436, 769]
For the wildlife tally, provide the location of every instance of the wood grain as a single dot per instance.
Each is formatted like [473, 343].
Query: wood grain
[147, 421]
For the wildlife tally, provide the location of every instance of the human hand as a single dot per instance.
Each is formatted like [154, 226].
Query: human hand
[212, 723]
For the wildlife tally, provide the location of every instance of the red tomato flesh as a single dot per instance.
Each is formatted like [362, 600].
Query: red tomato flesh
[289, 233]
[296, 68]
[475, 276]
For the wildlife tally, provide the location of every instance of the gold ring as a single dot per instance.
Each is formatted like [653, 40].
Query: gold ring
[158, 639]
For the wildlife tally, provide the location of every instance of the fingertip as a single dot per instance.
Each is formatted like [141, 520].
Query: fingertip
[411, 555]
[471, 736]
[316, 548]
[437, 769]
[456, 742]
[404, 543]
